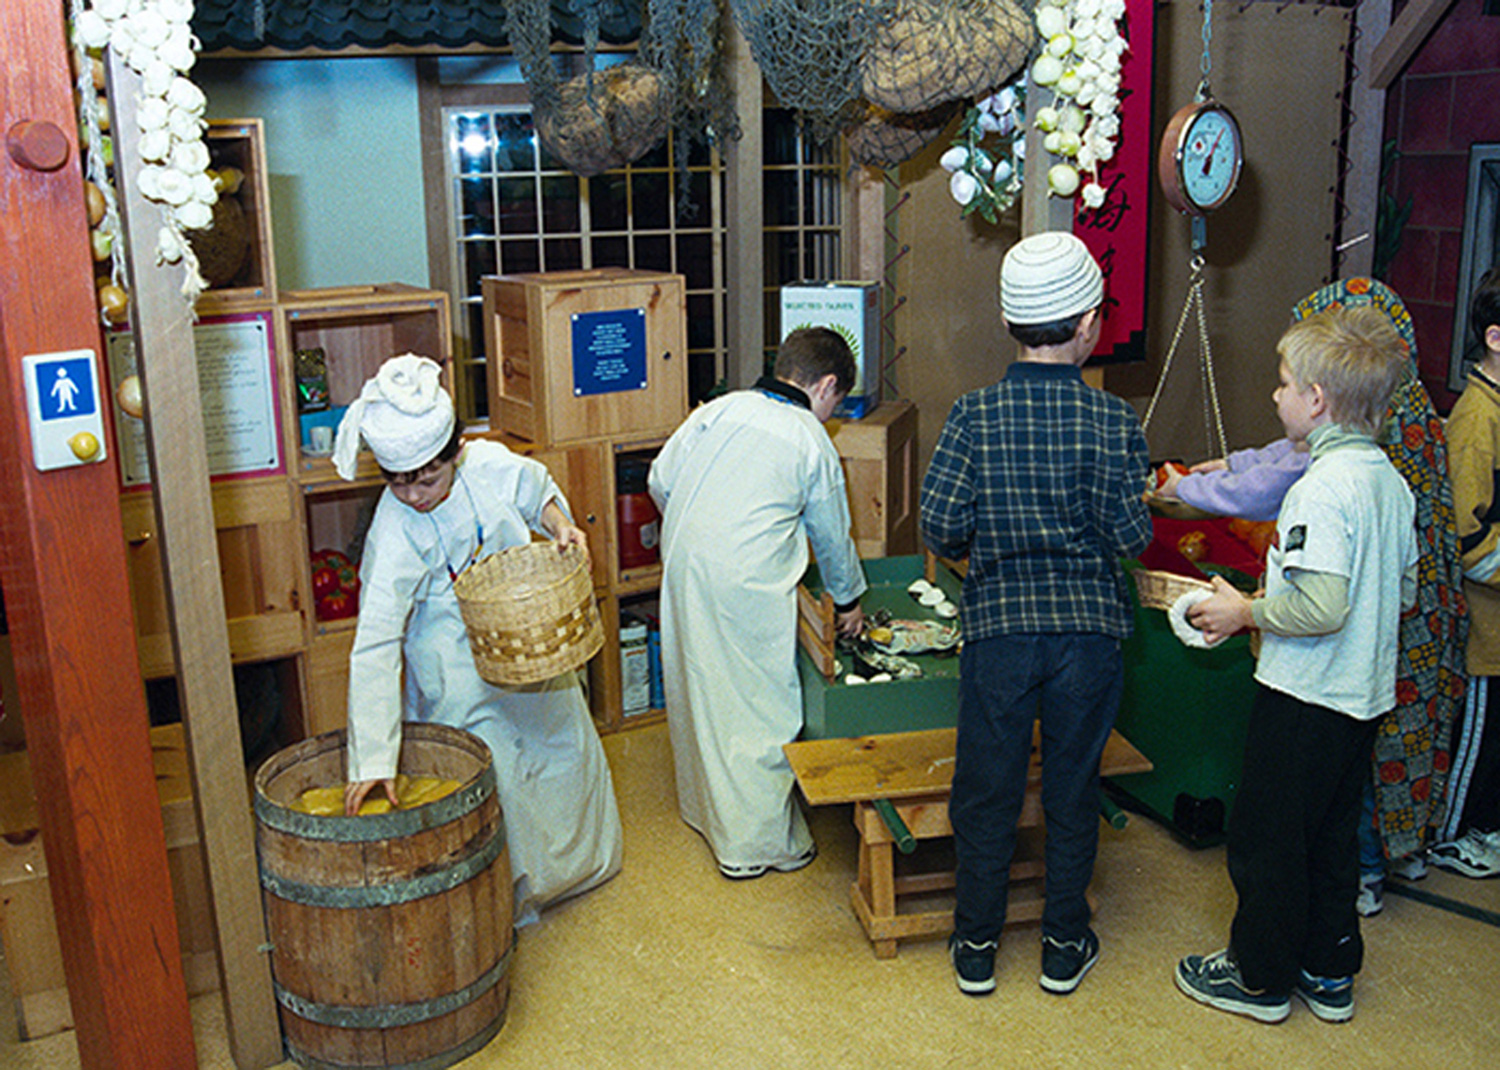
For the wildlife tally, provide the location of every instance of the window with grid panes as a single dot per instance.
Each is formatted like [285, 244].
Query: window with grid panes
[804, 213]
[516, 209]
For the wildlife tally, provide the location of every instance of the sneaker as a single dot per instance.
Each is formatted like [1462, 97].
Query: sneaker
[1411, 867]
[973, 965]
[1330, 998]
[1370, 900]
[1064, 962]
[1470, 855]
[750, 872]
[801, 861]
[1215, 980]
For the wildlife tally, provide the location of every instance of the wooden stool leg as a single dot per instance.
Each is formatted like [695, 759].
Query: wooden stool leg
[883, 893]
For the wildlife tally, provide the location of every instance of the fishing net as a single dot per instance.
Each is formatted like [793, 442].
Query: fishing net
[938, 50]
[604, 119]
[881, 138]
[809, 52]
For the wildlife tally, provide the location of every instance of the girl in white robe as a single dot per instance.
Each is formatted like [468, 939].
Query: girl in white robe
[561, 818]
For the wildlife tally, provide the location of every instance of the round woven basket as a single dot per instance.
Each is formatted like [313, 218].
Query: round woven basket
[530, 613]
[1159, 590]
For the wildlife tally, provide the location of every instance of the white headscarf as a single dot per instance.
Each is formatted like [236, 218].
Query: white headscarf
[403, 413]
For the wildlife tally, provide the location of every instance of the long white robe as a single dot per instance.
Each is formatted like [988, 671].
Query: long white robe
[561, 818]
[743, 485]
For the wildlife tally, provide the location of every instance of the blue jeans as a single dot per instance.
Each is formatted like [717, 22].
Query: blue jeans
[1073, 684]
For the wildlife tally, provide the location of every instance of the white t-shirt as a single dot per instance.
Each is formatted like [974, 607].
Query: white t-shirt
[1350, 515]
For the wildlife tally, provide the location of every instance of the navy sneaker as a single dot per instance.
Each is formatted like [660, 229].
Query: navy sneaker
[1215, 980]
[1064, 962]
[973, 965]
[1330, 998]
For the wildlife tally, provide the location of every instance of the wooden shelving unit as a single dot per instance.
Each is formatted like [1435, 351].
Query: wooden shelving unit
[549, 403]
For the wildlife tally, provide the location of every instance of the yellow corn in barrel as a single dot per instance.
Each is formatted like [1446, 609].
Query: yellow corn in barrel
[410, 791]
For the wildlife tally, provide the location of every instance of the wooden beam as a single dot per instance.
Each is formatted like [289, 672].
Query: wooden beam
[67, 601]
[1371, 18]
[745, 220]
[166, 358]
[1405, 36]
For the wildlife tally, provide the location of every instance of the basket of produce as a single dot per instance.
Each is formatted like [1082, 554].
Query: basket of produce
[530, 613]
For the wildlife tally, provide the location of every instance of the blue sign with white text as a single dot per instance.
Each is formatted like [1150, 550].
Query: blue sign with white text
[65, 388]
[609, 351]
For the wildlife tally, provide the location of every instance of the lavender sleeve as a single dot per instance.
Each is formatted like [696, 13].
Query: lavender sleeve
[1251, 487]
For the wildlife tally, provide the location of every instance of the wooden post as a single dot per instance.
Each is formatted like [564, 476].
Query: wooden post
[67, 602]
[745, 240]
[165, 356]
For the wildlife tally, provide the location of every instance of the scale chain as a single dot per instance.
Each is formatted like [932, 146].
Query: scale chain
[1195, 301]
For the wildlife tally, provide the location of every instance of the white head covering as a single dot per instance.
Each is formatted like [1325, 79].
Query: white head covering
[1049, 277]
[403, 413]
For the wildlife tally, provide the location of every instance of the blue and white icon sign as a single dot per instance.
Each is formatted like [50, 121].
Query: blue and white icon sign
[65, 387]
[62, 403]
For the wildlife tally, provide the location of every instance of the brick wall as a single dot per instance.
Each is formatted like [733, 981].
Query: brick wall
[1447, 99]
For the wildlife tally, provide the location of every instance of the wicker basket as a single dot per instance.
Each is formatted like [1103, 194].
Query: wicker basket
[1159, 590]
[530, 613]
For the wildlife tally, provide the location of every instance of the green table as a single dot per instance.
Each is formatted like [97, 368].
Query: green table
[834, 709]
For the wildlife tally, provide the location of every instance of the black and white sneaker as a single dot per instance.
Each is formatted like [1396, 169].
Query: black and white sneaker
[973, 965]
[1064, 962]
[1215, 980]
[760, 869]
[1471, 855]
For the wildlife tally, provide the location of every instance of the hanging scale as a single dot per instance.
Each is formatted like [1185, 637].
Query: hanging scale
[1198, 166]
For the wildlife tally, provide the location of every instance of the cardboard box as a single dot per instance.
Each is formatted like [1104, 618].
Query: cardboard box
[28, 927]
[853, 310]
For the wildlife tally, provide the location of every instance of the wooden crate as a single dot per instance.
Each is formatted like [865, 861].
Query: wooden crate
[584, 355]
[28, 928]
[880, 468]
[358, 328]
[241, 143]
[260, 561]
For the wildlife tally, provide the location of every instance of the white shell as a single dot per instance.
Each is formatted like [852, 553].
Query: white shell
[918, 586]
[932, 596]
[880, 678]
[946, 610]
[851, 679]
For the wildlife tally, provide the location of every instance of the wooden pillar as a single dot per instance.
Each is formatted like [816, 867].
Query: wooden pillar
[163, 325]
[744, 244]
[67, 602]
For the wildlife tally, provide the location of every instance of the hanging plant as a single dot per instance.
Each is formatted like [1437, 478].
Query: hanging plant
[987, 180]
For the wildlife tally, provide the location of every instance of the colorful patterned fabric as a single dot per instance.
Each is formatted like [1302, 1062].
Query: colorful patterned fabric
[1412, 744]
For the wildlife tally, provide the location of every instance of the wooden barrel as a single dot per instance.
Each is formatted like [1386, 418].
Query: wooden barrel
[391, 933]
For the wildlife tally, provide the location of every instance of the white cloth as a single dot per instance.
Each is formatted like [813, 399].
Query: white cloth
[1177, 618]
[561, 818]
[743, 485]
[1350, 515]
[404, 414]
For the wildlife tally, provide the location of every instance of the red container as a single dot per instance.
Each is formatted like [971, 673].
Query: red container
[640, 530]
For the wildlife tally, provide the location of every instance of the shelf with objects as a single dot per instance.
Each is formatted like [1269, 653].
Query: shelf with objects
[588, 373]
[335, 339]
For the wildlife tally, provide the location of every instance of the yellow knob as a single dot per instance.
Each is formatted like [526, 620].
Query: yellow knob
[84, 445]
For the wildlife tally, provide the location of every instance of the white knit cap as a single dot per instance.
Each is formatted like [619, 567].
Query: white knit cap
[403, 413]
[1049, 277]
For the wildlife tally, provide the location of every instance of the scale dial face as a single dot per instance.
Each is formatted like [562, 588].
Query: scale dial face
[1201, 157]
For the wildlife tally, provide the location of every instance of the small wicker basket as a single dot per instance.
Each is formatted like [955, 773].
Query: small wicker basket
[1159, 590]
[530, 613]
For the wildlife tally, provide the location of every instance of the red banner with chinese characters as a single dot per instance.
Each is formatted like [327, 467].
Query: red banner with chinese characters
[1118, 232]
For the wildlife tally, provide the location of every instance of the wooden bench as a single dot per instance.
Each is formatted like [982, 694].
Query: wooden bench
[899, 785]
